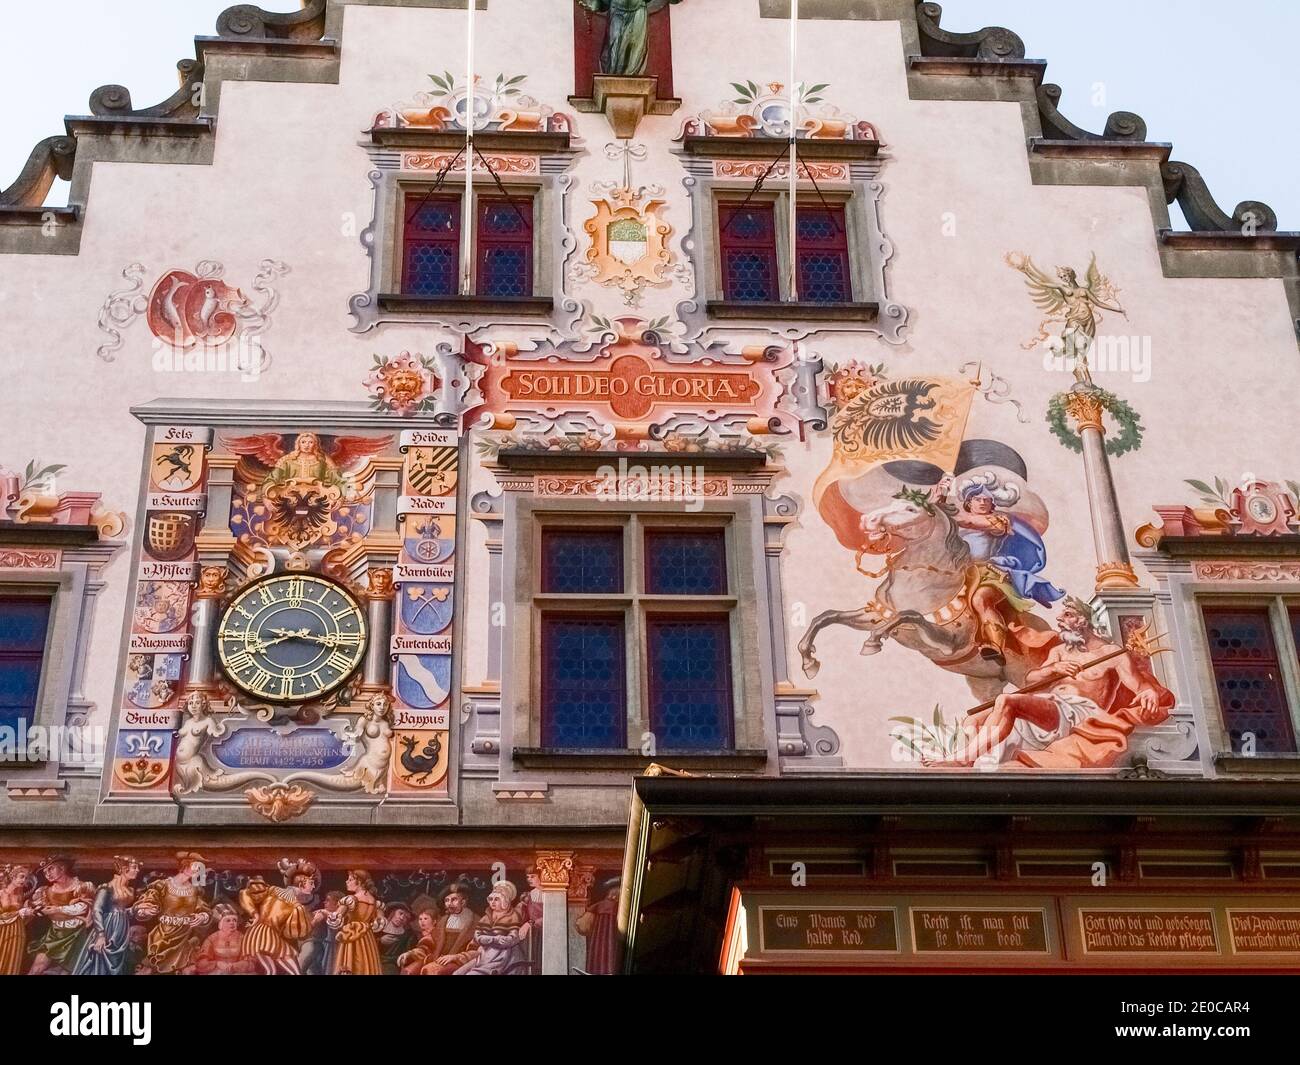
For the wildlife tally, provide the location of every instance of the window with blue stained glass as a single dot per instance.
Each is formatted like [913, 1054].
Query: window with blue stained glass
[24, 624]
[822, 253]
[582, 561]
[689, 666]
[747, 239]
[582, 683]
[505, 247]
[431, 245]
[685, 562]
[1248, 676]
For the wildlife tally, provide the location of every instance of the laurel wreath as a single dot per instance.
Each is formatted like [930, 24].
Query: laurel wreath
[1129, 437]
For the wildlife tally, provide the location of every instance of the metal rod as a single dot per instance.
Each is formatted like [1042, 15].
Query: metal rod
[793, 287]
[758, 187]
[502, 189]
[467, 205]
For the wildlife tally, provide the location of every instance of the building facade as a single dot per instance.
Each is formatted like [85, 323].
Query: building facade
[473, 408]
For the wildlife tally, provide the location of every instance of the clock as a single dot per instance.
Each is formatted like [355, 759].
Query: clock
[291, 638]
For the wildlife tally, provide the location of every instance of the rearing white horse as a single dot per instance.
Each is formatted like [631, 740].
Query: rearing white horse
[924, 600]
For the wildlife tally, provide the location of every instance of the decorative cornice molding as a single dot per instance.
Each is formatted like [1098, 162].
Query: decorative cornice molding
[244, 28]
[115, 100]
[53, 157]
[252, 22]
[307, 413]
[1120, 126]
[992, 42]
[1183, 182]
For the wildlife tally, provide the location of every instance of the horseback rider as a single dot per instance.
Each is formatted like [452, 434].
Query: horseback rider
[1008, 554]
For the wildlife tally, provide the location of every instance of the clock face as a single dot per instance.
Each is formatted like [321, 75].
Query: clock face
[291, 638]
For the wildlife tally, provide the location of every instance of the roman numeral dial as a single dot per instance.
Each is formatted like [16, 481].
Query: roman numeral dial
[291, 638]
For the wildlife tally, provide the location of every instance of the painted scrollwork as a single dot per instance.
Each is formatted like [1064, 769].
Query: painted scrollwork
[186, 309]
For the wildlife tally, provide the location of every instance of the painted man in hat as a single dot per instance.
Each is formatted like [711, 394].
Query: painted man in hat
[1011, 555]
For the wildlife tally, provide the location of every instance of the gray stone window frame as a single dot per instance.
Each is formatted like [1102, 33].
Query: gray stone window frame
[728, 192]
[554, 244]
[744, 603]
[71, 589]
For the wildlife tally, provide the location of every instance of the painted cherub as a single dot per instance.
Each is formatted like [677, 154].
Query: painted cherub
[1072, 304]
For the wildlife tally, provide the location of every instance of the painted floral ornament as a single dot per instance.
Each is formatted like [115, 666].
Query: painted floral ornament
[403, 384]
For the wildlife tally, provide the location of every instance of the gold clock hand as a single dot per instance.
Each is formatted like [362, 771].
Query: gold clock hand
[291, 634]
[325, 641]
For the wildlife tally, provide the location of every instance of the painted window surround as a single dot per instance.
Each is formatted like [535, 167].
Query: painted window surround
[73, 583]
[521, 694]
[873, 312]
[548, 185]
[778, 713]
[1183, 587]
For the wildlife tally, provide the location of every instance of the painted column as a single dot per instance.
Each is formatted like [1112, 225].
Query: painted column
[207, 605]
[1114, 570]
[379, 616]
[553, 872]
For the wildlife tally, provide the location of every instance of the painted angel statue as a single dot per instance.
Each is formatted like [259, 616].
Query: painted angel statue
[1073, 304]
[627, 44]
[304, 458]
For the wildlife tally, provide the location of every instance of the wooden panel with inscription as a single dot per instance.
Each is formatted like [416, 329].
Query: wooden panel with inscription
[805, 930]
[901, 930]
[1184, 931]
[815, 928]
[974, 930]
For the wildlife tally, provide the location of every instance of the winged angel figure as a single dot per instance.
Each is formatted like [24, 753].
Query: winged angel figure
[326, 461]
[1072, 304]
[293, 488]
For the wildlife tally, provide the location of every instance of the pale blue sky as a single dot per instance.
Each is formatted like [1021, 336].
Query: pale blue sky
[1219, 79]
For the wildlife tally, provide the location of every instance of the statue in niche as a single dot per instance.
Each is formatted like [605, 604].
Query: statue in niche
[627, 42]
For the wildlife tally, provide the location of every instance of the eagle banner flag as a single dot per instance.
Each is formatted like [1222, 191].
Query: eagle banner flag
[917, 420]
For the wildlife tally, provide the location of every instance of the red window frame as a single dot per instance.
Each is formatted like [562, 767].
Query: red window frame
[731, 243]
[1286, 742]
[414, 238]
[489, 244]
[836, 243]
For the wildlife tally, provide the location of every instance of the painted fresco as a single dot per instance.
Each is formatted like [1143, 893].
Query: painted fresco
[244, 914]
[198, 308]
[499, 105]
[291, 587]
[932, 488]
[955, 532]
[763, 112]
